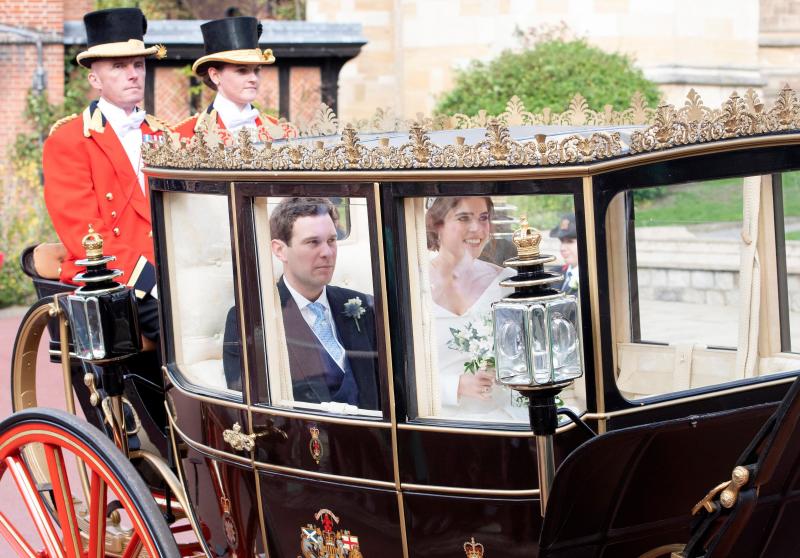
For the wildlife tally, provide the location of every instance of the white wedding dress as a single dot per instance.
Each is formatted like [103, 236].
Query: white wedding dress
[497, 408]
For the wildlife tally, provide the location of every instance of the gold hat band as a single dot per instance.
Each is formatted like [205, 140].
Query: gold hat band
[131, 47]
[243, 56]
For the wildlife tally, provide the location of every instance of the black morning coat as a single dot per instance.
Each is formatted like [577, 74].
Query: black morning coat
[308, 359]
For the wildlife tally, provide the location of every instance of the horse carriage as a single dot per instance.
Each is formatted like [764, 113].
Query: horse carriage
[673, 358]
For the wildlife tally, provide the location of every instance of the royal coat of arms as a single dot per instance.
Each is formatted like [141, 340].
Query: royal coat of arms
[326, 541]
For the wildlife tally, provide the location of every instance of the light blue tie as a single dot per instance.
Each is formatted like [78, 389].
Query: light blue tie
[324, 332]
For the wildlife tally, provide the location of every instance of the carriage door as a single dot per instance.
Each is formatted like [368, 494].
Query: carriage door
[314, 315]
[467, 457]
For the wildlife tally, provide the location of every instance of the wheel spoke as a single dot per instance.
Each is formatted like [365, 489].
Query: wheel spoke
[98, 507]
[15, 540]
[33, 502]
[134, 546]
[73, 546]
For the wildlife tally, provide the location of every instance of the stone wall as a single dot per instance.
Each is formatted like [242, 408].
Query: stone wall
[702, 272]
[415, 45]
[779, 42]
[699, 286]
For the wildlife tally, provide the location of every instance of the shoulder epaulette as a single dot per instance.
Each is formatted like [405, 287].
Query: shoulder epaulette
[156, 124]
[93, 121]
[62, 121]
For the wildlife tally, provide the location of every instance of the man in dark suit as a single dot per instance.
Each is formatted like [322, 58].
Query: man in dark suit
[330, 331]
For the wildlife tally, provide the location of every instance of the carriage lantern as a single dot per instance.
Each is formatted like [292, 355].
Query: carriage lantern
[537, 345]
[102, 313]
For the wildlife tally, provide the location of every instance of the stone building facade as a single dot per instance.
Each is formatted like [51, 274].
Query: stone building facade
[715, 46]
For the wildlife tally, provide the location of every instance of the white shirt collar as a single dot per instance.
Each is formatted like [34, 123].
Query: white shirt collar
[115, 115]
[229, 112]
[302, 301]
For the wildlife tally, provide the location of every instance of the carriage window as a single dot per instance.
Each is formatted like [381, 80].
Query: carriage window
[695, 265]
[789, 272]
[201, 288]
[456, 251]
[315, 264]
[688, 244]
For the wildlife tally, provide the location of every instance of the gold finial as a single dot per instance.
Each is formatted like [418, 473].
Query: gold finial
[527, 240]
[93, 245]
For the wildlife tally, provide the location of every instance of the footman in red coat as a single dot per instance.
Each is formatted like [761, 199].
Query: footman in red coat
[93, 164]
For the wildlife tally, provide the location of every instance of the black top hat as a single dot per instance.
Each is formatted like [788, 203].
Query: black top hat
[115, 33]
[565, 228]
[231, 33]
[232, 40]
[114, 26]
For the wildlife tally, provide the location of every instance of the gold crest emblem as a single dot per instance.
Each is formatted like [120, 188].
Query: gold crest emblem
[315, 444]
[325, 541]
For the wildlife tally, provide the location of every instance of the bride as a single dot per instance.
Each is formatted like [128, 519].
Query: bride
[463, 288]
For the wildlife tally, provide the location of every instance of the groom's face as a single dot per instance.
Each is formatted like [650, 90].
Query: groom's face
[309, 258]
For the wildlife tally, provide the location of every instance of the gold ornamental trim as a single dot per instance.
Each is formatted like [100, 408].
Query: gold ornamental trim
[207, 151]
[324, 121]
[325, 144]
[737, 117]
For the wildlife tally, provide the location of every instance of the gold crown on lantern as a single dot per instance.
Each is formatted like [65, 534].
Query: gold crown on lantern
[93, 244]
[526, 239]
[473, 549]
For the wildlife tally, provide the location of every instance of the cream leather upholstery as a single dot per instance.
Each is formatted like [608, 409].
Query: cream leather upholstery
[201, 283]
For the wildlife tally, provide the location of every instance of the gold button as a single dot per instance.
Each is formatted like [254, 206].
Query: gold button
[109, 196]
[150, 234]
[116, 231]
[113, 214]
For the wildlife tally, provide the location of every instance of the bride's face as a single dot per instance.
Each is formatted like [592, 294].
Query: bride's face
[466, 227]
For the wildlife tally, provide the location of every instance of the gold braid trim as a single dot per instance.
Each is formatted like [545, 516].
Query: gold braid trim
[61, 122]
[156, 124]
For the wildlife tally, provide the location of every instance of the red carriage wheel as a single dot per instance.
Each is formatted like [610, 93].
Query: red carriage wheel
[115, 490]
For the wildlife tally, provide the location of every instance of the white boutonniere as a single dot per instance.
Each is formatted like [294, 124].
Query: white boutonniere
[354, 309]
[573, 282]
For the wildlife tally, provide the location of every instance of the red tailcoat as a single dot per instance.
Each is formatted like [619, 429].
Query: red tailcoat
[89, 180]
[269, 127]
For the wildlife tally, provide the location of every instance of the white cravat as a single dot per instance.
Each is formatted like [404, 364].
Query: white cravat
[310, 317]
[232, 117]
[129, 131]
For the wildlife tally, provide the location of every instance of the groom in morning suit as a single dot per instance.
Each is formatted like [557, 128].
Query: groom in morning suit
[332, 354]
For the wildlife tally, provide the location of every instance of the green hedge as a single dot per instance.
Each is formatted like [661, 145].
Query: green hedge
[548, 74]
[23, 216]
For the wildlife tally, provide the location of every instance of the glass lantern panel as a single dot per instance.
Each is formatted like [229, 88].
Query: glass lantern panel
[509, 335]
[95, 328]
[80, 327]
[564, 340]
[538, 344]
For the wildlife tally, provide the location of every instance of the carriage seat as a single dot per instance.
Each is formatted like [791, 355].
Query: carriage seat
[200, 269]
[41, 262]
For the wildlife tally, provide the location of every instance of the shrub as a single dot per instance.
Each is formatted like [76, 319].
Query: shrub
[547, 74]
[23, 216]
